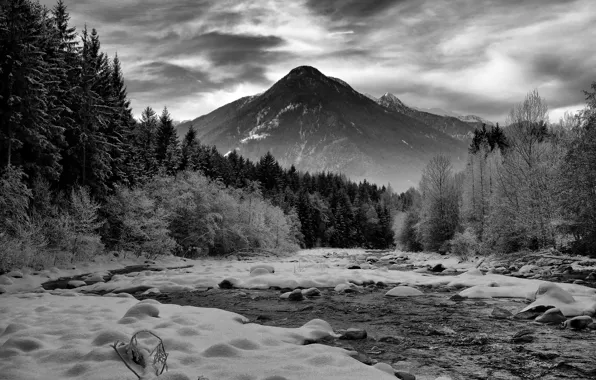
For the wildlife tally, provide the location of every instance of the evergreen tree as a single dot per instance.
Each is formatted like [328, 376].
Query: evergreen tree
[30, 136]
[166, 143]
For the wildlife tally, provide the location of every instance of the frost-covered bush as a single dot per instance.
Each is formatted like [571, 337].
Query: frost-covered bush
[465, 245]
[136, 223]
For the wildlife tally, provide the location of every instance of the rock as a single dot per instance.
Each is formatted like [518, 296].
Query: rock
[404, 375]
[353, 267]
[457, 297]
[591, 277]
[381, 284]
[268, 268]
[354, 334]
[550, 294]
[474, 272]
[533, 313]
[394, 267]
[311, 292]
[76, 284]
[296, 295]
[523, 336]
[372, 259]
[15, 274]
[385, 368]
[551, 316]
[528, 268]
[403, 291]
[579, 282]
[500, 313]
[578, 323]
[438, 268]
[5, 280]
[361, 357]
[347, 288]
[285, 295]
[365, 266]
[2, 290]
[226, 284]
[259, 272]
[421, 270]
[151, 291]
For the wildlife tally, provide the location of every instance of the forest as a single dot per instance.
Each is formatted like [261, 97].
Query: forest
[80, 176]
[528, 186]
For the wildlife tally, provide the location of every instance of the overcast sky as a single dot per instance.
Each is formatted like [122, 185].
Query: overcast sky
[468, 56]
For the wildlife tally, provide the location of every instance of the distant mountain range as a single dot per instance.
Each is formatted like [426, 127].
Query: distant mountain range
[320, 123]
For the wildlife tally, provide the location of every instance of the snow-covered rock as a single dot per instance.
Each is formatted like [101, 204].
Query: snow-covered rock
[403, 291]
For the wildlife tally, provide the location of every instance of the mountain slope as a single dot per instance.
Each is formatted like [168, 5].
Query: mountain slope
[320, 123]
[452, 126]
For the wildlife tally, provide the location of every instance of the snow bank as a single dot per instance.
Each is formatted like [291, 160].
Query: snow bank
[50, 337]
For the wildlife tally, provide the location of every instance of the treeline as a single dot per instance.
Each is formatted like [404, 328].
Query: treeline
[528, 186]
[79, 175]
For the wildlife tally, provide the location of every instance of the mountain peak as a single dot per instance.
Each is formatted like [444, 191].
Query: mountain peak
[391, 101]
[305, 71]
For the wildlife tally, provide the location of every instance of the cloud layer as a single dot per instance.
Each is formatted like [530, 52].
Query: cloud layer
[467, 56]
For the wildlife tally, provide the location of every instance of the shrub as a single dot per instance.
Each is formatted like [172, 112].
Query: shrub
[465, 245]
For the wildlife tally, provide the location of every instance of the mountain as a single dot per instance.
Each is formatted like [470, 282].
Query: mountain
[320, 123]
[452, 126]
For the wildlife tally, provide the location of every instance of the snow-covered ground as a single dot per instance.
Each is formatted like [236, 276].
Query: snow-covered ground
[65, 334]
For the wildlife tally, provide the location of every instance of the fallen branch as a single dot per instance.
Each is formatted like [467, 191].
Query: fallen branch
[158, 354]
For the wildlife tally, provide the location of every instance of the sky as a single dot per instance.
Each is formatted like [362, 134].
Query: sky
[467, 56]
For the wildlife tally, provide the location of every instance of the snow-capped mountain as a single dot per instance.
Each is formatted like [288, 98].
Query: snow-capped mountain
[319, 123]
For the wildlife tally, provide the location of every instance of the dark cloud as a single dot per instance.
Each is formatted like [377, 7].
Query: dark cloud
[348, 10]
[223, 48]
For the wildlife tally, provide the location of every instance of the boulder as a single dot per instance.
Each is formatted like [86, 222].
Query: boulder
[268, 268]
[500, 313]
[552, 316]
[404, 375]
[578, 323]
[385, 368]
[259, 272]
[353, 334]
[551, 295]
[438, 268]
[311, 292]
[296, 295]
[403, 291]
[226, 284]
[15, 274]
[5, 280]
[76, 284]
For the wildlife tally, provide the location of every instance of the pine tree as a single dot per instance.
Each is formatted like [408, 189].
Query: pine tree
[166, 143]
[29, 136]
[189, 159]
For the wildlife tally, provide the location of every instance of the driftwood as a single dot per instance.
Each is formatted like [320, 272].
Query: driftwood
[158, 355]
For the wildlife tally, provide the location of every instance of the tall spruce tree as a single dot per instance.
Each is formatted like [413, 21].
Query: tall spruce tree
[166, 143]
[30, 136]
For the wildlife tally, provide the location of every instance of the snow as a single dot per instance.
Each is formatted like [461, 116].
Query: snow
[66, 334]
[205, 342]
[254, 136]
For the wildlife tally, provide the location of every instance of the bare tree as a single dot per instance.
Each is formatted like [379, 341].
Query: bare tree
[439, 214]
